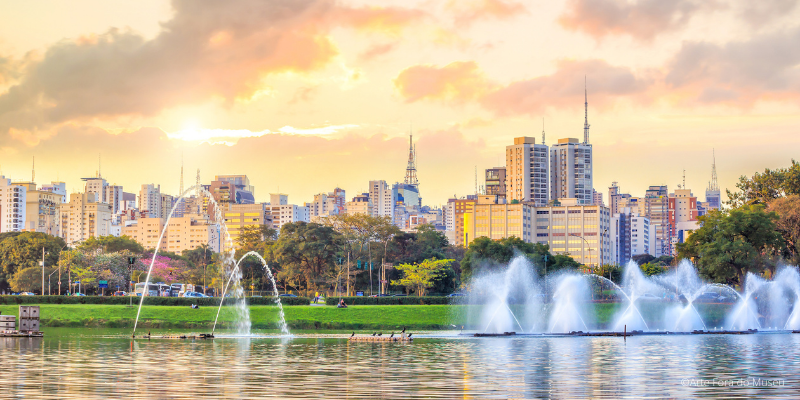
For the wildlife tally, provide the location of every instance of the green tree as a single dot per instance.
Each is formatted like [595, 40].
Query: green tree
[307, 254]
[649, 269]
[111, 244]
[420, 277]
[20, 250]
[487, 254]
[256, 238]
[730, 244]
[30, 280]
[764, 187]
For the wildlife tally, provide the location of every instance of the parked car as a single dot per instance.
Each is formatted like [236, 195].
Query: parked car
[287, 295]
[399, 295]
[193, 294]
[79, 294]
[381, 295]
[256, 296]
[707, 297]
[119, 293]
[456, 295]
[27, 294]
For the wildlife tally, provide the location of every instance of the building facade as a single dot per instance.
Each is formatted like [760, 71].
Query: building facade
[13, 204]
[571, 171]
[84, 217]
[527, 172]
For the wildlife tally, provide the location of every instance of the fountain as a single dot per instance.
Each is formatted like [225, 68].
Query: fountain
[510, 298]
[634, 286]
[768, 304]
[569, 302]
[282, 323]
[227, 260]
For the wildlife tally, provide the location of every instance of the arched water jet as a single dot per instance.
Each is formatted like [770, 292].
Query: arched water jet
[276, 295]
[244, 313]
[571, 295]
[504, 299]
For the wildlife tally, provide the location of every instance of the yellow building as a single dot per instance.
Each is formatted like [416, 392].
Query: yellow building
[183, 233]
[497, 221]
[238, 216]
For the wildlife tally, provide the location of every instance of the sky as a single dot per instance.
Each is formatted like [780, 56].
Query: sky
[307, 95]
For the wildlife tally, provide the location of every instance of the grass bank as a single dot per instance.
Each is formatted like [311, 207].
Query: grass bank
[418, 317]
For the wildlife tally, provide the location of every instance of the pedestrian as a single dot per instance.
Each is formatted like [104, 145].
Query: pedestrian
[316, 297]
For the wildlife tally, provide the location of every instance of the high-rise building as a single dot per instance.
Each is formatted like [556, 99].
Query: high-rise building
[238, 190]
[383, 199]
[150, 200]
[183, 233]
[84, 217]
[97, 185]
[582, 231]
[495, 182]
[488, 218]
[631, 235]
[240, 216]
[526, 172]
[57, 188]
[282, 212]
[167, 203]
[657, 208]
[13, 199]
[42, 212]
[682, 216]
[571, 171]
[113, 197]
[454, 216]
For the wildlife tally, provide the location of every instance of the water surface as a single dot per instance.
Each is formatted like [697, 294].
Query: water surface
[81, 363]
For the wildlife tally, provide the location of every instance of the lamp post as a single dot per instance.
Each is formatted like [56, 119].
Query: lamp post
[587, 245]
[602, 242]
[49, 286]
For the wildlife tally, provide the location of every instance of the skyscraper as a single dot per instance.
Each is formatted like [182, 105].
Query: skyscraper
[571, 171]
[713, 193]
[526, 172]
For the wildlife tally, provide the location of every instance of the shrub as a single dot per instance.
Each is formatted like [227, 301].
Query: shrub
[150, 300]
[389, 301]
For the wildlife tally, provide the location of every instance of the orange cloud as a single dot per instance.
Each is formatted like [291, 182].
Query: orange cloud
[377, 51]
[461, 82]
[466, 13]
[391, 20]
[457, 82]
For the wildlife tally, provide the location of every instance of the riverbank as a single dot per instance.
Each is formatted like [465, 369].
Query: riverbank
[417, 317]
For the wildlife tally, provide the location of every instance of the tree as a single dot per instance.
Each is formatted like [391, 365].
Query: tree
[20, 250]
[764, 187]
[649, 269]
[642, 259]
[420, 277]
[256, 238]
[487, 254]
[111, 244]
[730, 244]
[29, 280]
[307, 253]
[788, 224]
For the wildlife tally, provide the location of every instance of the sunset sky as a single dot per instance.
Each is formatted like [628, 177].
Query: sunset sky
[306, 95]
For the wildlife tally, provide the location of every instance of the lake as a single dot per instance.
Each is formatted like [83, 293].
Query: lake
[85, 363]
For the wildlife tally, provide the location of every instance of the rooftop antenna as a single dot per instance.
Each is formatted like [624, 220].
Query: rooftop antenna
[684, 179]
[586, 113]
[543, 130]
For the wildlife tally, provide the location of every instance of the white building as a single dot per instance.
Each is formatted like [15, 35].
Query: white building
[57, 188]
[571, 171]
[97, 186]
[84, 217]
[113, 197]
[12, 206]
[527, 172]
[150, 200]
[631, 234]
[383, 199]
[580, 230]
[283, 213]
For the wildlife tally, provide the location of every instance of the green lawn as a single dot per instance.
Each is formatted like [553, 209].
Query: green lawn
[301, 317]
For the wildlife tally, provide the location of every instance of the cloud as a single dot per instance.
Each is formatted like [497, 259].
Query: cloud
[209, 49]
[458, 82]
[761, 12]
[230, 137]
[377, 50]
[462, 82]
[468, 12]
[738, 73]
[640, 19]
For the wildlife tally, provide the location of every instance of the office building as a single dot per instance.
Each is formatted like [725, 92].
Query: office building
[571, 171]
[13, 204]
[84, 217]
[495, 182]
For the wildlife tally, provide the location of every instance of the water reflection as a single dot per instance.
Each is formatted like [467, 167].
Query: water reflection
[77, 364]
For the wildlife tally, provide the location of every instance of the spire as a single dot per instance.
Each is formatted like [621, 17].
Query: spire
[543, 130]
[411, 169]
[713, 186]
[586, 113]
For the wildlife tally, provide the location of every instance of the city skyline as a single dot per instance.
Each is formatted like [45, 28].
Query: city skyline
[343, 84]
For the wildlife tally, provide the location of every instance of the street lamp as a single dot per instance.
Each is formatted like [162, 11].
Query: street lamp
[587, 245]
[49, 286]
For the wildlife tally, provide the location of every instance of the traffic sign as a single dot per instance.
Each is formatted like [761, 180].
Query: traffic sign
[103, 284]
